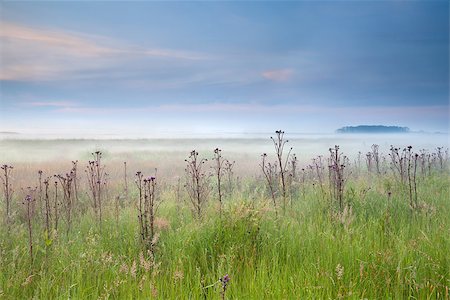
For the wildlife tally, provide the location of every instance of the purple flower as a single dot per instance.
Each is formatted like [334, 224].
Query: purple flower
[28, 198]
[225, 279]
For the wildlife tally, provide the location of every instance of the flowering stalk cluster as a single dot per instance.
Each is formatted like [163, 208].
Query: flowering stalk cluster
[336, 167]
[221, 168]
[66, 182]
[271, 176]
[29, 204]
[224, 280]
[148, 205]
[196, 182]
[7, 190]
[96, 179]
[276, 173]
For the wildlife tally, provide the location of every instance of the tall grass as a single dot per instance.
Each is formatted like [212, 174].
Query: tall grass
[386, 235]
[380, 249]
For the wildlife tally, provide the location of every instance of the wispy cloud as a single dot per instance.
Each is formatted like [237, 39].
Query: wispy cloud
[278, 75]
[58, 104]
[72, 43]
[29, 53]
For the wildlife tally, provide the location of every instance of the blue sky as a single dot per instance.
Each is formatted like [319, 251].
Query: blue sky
[152, 67]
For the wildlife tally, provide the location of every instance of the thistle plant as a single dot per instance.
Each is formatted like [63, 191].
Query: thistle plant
[279, 143]
[293, 164]
[7, 191]
[229, 165]
[358, 162]
[147, 208]
[56, 204]
[96, 179]
[105, 189]
[40, 201]
[151, 203]
[411, 163]
[416, 157]
[337, 164]
[405, 164]
[317, 167]
[430, 163]
[303, 182]
[224, 285]
[66, 182]
[197, 184]
[271, 175]
[28, 202]
[423, 158]
[398, 162]
[140, 186]
[220, 165]
[74, 173]
[224, 280]
[47, 207]
[292, 172]
[441, 157]
[376, 157]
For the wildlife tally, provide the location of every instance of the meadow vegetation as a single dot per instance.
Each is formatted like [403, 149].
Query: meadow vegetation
[369, 226]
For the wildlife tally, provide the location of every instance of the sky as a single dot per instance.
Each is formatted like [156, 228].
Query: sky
[162, 68]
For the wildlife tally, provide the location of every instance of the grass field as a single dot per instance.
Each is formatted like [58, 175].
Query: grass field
[376, 246]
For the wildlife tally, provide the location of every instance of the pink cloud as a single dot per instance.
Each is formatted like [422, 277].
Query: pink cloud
[70, 43]
[31, 53]
[278, 75]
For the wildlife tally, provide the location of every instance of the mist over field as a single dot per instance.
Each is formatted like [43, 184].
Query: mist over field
[44, 152]
[48, 147]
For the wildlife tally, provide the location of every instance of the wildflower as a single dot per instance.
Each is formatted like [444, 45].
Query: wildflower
[225, 279]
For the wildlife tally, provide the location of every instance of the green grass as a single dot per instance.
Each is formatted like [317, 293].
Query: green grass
[382, 250]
